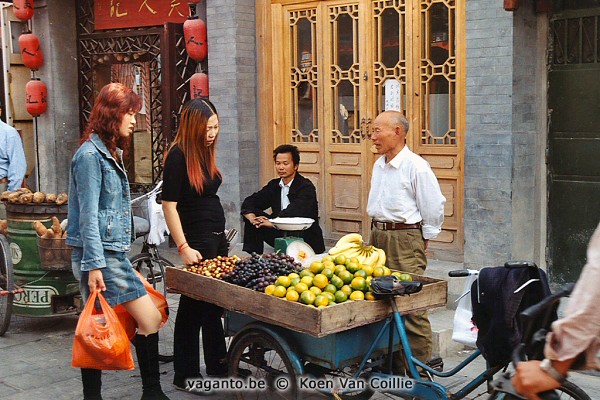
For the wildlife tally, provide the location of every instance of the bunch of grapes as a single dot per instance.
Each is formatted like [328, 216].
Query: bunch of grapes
[259, 271]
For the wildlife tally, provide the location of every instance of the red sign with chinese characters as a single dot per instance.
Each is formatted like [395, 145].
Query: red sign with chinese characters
[118, 14]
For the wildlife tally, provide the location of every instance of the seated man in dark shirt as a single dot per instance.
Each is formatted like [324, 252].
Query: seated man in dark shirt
[291, 195]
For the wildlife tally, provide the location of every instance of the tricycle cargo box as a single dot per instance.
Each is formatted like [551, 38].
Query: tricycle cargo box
[317, 322]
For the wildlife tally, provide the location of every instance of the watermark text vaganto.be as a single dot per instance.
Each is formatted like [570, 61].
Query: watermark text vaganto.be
[226, 384]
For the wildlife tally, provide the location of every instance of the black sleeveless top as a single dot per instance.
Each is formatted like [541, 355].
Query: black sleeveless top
[199, 213]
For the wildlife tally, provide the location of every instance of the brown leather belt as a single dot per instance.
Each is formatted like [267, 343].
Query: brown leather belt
[393, 226]
[4, 180]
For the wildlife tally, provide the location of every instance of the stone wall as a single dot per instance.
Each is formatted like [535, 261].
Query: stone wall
[488, 139]
[232, 80]
[526, 110]
[58, 128]
[502, 157]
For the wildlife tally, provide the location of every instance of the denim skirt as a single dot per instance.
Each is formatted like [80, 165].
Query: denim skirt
[122, 284]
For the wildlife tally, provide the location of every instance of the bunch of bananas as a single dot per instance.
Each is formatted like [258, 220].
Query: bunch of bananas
[352, 245]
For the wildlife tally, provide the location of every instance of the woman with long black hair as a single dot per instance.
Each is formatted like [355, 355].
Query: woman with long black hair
[196, 220]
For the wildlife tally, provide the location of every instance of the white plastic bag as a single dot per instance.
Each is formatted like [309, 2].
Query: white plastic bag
[464, 331]
[158, 224]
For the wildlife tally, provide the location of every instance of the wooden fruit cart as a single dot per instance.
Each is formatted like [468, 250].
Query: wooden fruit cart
[274, 337]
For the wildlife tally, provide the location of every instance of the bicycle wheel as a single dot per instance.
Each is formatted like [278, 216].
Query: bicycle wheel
[153, 269]
[6, 285]
[345, 374]
[568, 390]
[259, 355]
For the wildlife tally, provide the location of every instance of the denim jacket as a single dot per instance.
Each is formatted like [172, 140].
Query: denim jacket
[99, 204]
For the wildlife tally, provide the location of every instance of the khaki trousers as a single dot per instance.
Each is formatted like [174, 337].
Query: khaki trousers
[405, 251]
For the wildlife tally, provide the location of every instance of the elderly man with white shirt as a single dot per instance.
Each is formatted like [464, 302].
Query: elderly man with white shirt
[407, 209]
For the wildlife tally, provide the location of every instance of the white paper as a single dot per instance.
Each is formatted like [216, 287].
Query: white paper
[392, 95]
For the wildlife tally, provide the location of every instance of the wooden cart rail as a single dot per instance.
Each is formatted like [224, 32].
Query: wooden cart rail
[317, 322]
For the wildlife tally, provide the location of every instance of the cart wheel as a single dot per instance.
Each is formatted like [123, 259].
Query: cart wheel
[6, 285]
[345, 373]
[259, 355]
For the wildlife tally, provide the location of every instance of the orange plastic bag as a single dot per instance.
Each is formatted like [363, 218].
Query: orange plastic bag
[100, 340]
[159, 300]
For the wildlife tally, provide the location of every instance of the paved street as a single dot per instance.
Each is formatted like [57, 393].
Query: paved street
[35, 357]
[35, 364]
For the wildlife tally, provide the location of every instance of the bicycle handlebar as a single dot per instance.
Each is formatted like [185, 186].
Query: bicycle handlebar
[536, 313]
[518, 356]
[458, 273]
[156, 190]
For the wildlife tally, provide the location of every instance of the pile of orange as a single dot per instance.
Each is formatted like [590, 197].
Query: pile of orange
[330, 281]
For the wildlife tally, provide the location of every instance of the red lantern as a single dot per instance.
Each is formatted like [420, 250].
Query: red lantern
[36, 97]
[194, 33]
[31, 53]
[511, 5]
[23, 9]
[199, 85]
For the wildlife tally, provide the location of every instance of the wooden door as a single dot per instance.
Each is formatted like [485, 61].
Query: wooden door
[336, 65]
[437, 107]
[16, 77]
[324, 101]
[347, 159]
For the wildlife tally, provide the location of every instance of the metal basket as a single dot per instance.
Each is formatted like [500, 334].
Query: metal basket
[54, 253]
[140, 208]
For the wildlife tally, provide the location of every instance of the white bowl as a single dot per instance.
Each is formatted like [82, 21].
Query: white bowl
[292, 224]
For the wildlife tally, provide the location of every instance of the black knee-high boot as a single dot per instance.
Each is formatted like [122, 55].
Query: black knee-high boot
[146, 348]
[92, 383]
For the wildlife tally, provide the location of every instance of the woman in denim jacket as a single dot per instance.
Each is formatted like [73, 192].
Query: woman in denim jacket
[100, 230]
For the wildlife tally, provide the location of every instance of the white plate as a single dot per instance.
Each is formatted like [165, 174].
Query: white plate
[292, 224]
[300, 250]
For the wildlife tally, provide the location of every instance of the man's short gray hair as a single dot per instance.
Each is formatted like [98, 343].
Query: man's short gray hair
[397, 118]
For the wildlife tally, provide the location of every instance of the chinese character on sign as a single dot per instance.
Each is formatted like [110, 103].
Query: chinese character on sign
[175, 7]
[392, 95]
[118, 14]
[114, 9]
[145, 3]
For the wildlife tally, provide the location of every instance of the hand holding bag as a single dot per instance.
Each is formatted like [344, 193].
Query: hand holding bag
[100, 340]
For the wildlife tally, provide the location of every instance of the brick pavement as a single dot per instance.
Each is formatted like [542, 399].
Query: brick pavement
[35, 364]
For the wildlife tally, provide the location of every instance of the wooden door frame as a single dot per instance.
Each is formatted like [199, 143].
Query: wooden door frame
[365, 98]
[268, 116]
